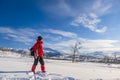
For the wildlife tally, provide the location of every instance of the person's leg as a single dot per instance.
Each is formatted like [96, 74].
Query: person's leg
[42, 64]
[34, 65]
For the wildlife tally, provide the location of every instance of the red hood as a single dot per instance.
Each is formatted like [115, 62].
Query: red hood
[39, 41]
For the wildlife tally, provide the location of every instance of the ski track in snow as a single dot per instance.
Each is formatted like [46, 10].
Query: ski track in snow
[16, 68]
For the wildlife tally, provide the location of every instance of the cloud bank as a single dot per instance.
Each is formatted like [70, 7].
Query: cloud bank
[87, 45]
[62, 33]
[20, 35]
[26, 35]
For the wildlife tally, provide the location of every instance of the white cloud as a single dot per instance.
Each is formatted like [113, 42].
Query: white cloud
[101, 30]
[62, 33]
[12, 35]
[99, 45]
[90, 21]
[101, 7]
[59, 7]
[64, 46]
[6, 30]
[27, 31]
[23, 35]
[52, 38]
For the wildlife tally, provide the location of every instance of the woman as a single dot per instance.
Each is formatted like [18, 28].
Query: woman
[38, 55]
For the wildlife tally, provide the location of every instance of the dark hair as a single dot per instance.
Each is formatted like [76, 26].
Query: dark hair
[39, 38]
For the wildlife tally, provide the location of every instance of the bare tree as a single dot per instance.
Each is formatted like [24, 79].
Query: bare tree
[115, 58]
[75, 50]
[106, 59]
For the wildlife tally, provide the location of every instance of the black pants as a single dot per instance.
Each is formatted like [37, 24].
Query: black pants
[40, 59]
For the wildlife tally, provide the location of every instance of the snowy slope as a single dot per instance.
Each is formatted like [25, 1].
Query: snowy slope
[15, 68]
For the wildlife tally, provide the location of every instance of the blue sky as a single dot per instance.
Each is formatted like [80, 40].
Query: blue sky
[94, 23]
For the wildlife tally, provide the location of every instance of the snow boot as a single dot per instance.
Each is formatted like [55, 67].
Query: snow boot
[43, 68]
[33, 68]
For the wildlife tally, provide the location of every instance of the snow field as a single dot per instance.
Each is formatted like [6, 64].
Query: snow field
[15, 68]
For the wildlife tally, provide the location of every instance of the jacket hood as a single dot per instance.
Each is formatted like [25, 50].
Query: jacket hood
[39, 41]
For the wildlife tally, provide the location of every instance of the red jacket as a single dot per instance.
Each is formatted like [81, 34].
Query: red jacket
[38, 47]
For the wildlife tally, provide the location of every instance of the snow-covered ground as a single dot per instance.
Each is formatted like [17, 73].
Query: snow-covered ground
[15, 68]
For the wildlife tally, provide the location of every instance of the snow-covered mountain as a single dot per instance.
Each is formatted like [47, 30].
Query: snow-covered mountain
[48, 52]
[98, 54]
[101, 54]
[51, 53]
[22, 51]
